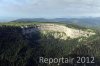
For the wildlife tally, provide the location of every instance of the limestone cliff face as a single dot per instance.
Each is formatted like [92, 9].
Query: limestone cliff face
[58, 31]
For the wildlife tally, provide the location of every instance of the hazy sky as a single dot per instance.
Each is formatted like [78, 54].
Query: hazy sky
[49, 8]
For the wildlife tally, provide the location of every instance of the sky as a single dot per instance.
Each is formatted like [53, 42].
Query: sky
[49, 8]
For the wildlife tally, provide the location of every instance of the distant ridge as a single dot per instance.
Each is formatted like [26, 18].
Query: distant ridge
[80, 21]
[41, 20]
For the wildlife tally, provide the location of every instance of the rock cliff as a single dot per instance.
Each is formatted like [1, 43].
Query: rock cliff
[58, 31]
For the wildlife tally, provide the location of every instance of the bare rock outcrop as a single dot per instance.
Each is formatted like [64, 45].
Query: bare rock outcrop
[63, 31]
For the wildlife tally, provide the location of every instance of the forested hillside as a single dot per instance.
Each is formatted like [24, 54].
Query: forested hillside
[17, 49]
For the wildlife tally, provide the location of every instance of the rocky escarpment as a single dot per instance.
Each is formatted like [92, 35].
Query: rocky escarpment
[58, 31]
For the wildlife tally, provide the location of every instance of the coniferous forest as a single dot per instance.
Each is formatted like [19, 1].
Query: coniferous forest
[17, 49]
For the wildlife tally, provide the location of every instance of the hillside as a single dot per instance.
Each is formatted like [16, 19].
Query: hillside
[22, 44]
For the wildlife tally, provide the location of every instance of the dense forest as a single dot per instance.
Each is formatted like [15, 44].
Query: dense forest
[17, 49]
